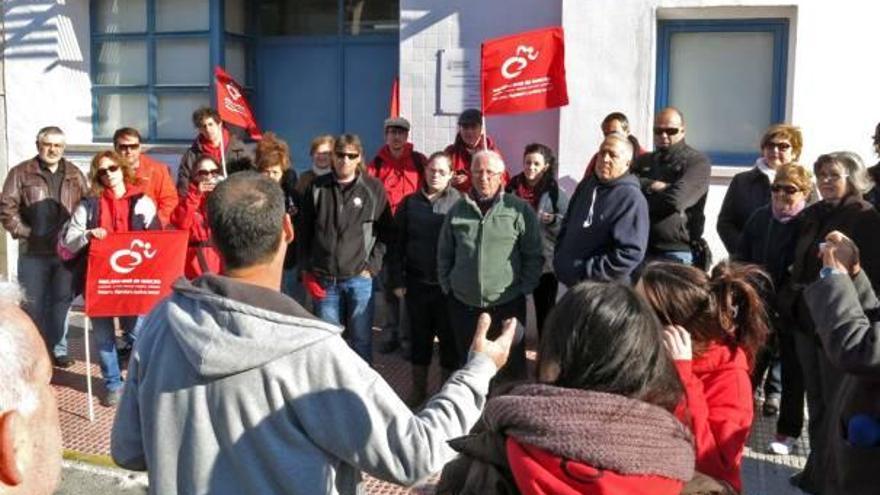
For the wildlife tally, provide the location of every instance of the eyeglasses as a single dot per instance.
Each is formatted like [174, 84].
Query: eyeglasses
[128, 147]
[830, 177]
[669, 131]
[779, 146]
[787, 190]
[108, 170]
[350, 156]
[205, 172]
[487, 173]
[56, 146]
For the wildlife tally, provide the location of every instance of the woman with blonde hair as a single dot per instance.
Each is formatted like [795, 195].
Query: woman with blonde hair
[115, 204]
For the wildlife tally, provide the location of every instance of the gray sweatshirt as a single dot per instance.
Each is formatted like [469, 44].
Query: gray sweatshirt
[234, 388]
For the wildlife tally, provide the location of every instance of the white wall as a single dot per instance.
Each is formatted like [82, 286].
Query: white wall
[428, 26]
[47, 77]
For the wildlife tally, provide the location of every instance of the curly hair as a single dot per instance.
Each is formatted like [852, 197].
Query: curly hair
[128, 172]
[788, 132]
[272, 151]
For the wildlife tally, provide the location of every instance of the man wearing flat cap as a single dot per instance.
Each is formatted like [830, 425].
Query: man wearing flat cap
[468, 141]
[400, 169]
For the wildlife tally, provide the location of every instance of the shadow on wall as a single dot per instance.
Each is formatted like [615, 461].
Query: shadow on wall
[41, 30]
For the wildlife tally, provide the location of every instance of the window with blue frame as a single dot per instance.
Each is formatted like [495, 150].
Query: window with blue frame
[152, 61]
[728, 77]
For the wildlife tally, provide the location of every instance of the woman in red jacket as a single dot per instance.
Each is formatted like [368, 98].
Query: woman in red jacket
[599, 420]
[191, 215]
[715, 324]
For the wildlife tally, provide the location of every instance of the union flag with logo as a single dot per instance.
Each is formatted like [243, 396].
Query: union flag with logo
[129, 272]
[524, 72]
[232, 106]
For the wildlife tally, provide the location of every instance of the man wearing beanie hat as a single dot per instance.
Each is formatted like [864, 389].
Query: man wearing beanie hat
[468, 141]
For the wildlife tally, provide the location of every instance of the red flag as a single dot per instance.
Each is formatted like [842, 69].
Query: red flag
[129, 272]
[394, 110]
[524, 72]
[233, 106]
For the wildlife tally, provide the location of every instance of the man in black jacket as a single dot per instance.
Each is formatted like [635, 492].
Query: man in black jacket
[345, 224]
[675, 181]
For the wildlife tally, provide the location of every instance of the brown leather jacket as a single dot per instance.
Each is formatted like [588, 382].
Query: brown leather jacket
[28, 211]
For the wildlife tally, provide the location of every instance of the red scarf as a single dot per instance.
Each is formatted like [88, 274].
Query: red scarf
[208, 148]
[114, 212]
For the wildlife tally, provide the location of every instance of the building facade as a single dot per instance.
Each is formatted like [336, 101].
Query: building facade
[327, 66]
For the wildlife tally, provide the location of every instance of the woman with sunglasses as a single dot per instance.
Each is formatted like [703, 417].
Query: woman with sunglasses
[842, 180]
[191, 215]
[768, 240]
[115, 204]
[748, 191]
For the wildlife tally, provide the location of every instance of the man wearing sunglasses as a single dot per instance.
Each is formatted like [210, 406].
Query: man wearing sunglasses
[155, 179]
[675, 181]
[38, 197]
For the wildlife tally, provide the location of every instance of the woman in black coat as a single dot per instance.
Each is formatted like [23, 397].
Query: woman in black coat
[769, 240]
[841, 180]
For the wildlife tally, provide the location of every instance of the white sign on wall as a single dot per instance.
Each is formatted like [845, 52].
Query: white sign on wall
[459, 79]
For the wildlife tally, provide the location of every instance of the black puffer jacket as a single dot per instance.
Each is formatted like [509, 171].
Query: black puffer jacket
[413, 256]
[676, 212]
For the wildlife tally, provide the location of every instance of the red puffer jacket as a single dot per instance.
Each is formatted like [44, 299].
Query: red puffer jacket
[400, 176]
[538, 472]
[719, 400]
[191, 215]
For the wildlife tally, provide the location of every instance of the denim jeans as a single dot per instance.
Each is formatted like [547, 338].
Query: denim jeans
[47, 285]
[349, 302]
[105, 341]
[684, 257]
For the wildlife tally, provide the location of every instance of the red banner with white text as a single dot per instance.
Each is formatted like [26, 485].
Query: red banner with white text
[524, 72]
[129, 272]
[232, 106]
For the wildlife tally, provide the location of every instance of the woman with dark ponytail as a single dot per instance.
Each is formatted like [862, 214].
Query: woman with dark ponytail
[714, 326]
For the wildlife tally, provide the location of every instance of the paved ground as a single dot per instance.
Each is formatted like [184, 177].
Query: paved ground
[87, 444]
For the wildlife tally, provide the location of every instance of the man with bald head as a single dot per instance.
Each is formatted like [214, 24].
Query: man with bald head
[675, 181]
[604, 233]
[30, 437]
[489, 258]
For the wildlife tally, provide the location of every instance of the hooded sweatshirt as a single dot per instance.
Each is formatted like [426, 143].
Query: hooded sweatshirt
[234, 388]
[604, 235]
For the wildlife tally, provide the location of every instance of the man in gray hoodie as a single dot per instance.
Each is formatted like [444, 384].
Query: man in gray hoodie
[234, 388]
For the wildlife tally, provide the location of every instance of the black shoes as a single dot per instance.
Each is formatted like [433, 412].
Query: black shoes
[770, 407]
[63, 362]
[111, 398]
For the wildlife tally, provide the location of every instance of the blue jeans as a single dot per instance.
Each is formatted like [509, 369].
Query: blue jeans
[105, 341]
[47, 284]
[349, 302]
[684, 257]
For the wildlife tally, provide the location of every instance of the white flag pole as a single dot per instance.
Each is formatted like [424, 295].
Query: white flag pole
[222, 151]
[88, 368]
[485, 134]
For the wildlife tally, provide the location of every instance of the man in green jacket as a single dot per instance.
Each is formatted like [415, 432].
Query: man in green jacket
[489, 259]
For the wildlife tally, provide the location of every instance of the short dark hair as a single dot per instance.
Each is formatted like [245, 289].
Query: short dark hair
[203, 113]
[246, 214]
[618, 116]
[126, 132]
[605, 338]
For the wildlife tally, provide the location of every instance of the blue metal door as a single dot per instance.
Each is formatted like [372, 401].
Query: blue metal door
[312, 86]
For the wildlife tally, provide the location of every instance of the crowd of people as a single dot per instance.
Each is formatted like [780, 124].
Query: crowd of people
[256, 375]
